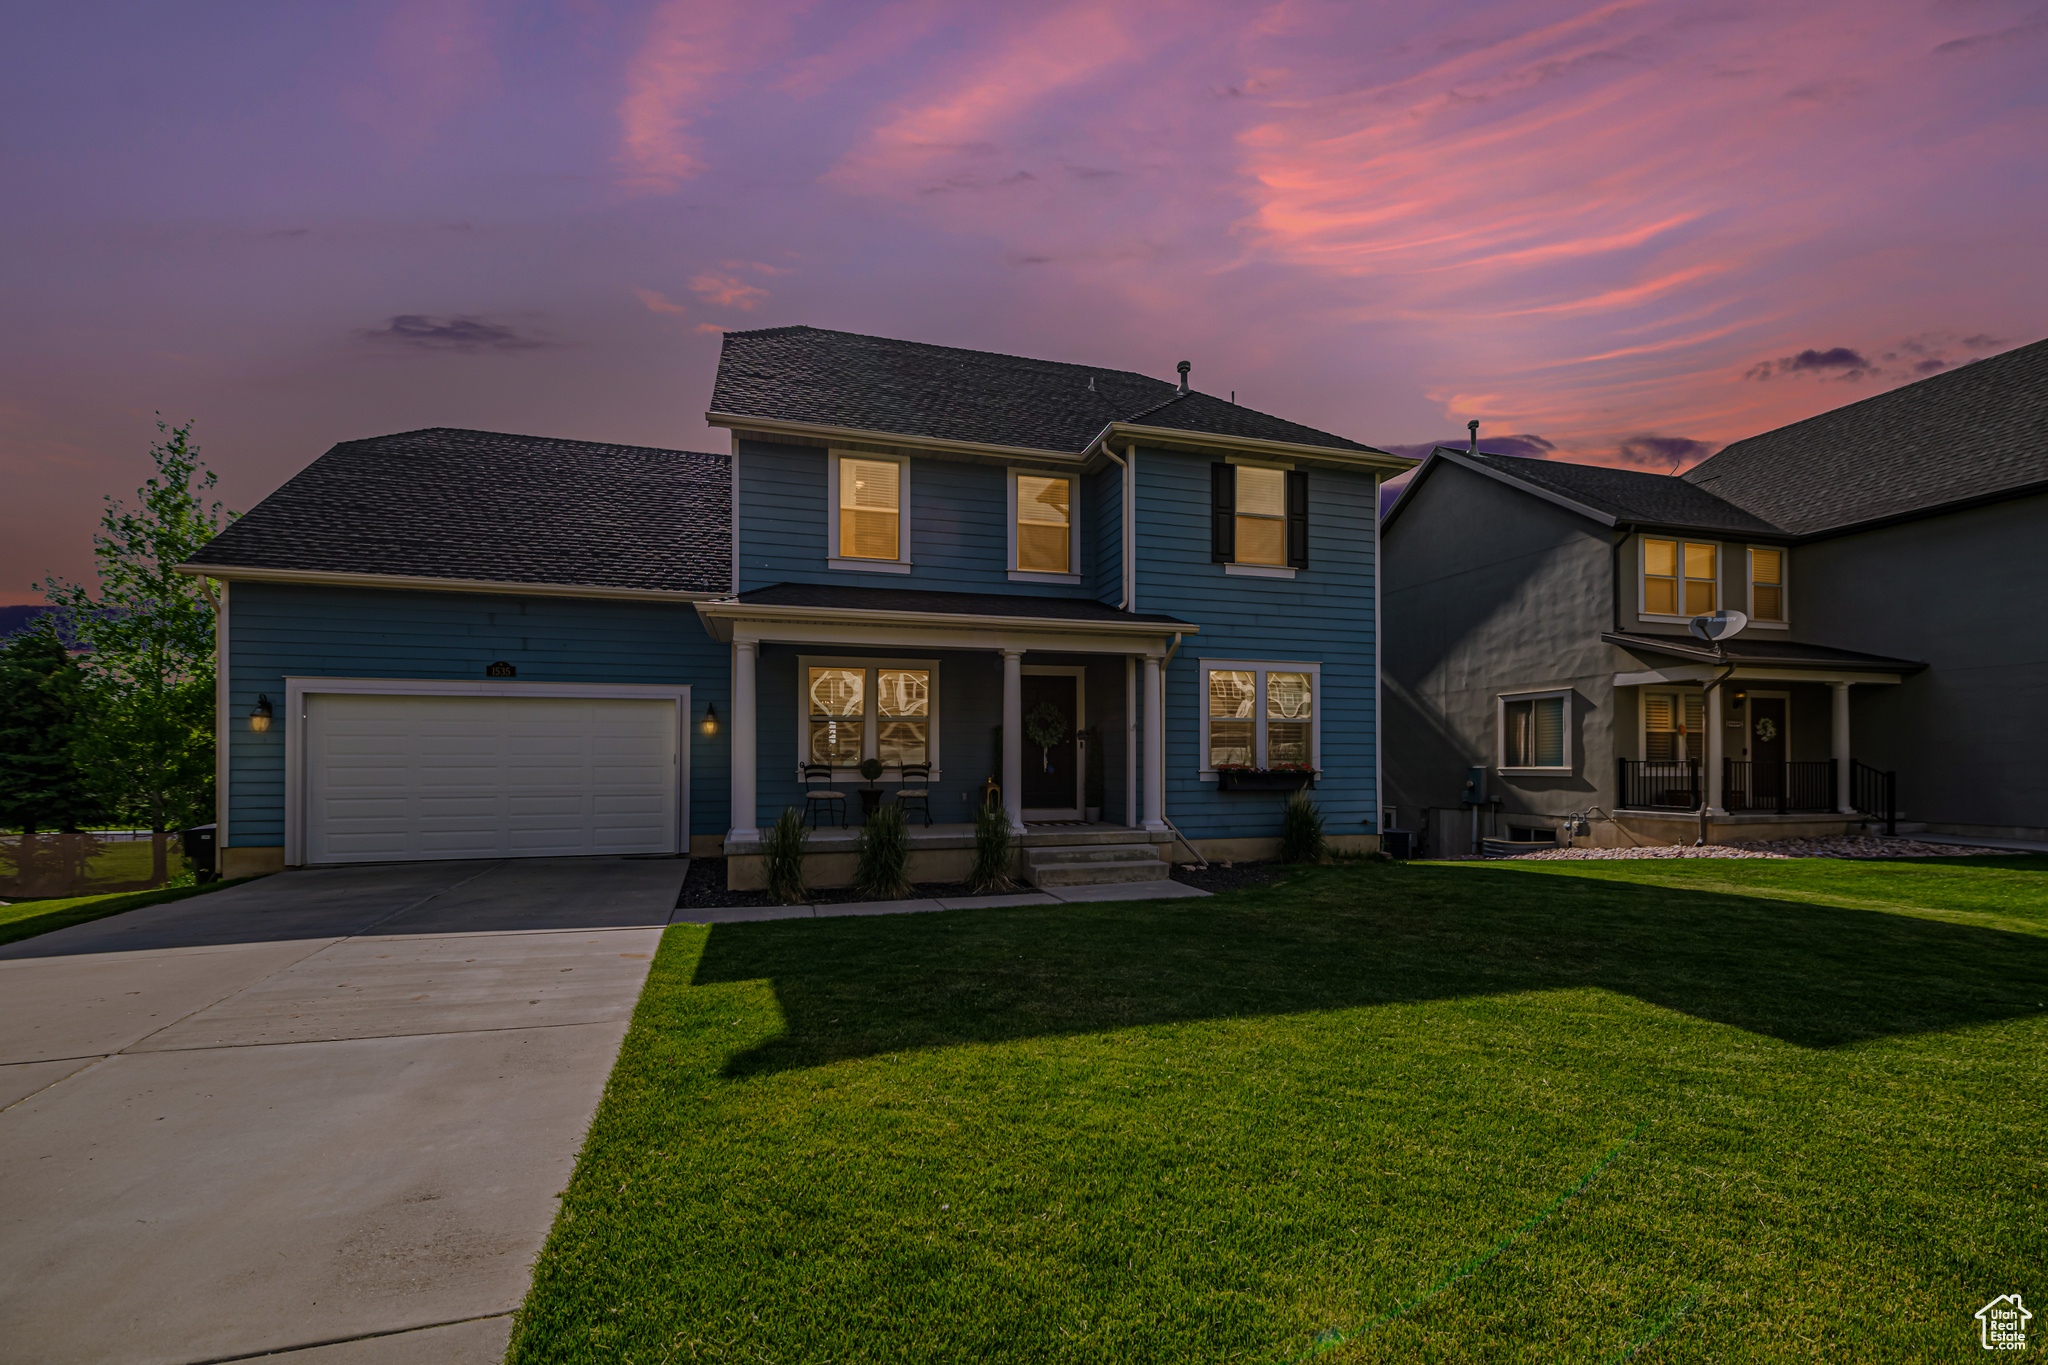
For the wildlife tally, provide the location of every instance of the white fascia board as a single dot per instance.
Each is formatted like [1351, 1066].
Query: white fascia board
[321, 578]
[1697, 673]
[823, 625]
[1463, 461]
[1169, 437]
[813, 431]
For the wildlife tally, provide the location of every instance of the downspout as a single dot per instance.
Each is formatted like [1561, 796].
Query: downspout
[1128, 520]
[1164, 664]
[1621, 535]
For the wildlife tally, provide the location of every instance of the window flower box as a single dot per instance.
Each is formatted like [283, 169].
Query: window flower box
[1288, 778]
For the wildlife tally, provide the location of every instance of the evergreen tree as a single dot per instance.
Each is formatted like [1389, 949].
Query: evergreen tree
[42, 697]
[149, 635]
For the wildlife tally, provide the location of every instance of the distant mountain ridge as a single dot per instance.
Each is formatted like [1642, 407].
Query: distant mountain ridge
[13, 619]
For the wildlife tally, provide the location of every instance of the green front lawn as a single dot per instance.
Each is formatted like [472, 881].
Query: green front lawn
[1671, 1111]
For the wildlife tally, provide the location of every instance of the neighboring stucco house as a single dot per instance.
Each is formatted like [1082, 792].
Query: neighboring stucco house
[1892, 556]
[447, 644]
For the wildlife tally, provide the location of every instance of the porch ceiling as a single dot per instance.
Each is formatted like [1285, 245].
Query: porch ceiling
[1682, 659]
[848, 613]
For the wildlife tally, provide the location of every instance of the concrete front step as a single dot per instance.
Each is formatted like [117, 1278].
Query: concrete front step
[1096, 874]
[1090, 853]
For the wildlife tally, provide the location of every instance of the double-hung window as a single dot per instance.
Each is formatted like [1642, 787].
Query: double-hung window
[1535, 732]
[1258, 519]
[855, 709]
[1259, 715]
[1680, 578]
[1767, 585]
[1042, 540]
[870, 521]
[1674, 726]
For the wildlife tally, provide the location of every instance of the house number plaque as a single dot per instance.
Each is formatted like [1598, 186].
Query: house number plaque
[501, 669]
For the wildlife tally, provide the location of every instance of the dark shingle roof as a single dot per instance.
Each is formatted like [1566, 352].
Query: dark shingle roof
[481, 505]
[1630, 494]
[860, 597]
[909, 388]
[1750, 650]
[1975, 431]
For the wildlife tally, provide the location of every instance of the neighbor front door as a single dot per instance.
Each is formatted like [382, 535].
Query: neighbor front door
[1767, 748]
[1052, 776]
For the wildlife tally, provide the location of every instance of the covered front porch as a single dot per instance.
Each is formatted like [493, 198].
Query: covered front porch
[1753, 741]
[948, 699]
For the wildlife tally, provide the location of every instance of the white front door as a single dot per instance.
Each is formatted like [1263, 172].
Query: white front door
[402, 778]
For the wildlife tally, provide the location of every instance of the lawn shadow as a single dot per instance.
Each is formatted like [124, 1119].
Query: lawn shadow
[1817, 976]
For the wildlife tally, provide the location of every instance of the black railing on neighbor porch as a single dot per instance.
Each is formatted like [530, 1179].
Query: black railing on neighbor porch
[1876, 794]
[1778, 788]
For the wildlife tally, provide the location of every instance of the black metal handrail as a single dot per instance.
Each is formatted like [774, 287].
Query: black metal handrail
[1651, 784]
[1875, 794]
[1781, 788]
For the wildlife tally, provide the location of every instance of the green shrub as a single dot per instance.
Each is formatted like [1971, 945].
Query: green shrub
[782, 857]
[992, 845]
[881, 853]
[1301, 832]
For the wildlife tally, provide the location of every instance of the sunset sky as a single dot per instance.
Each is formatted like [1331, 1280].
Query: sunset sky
[1620, 233]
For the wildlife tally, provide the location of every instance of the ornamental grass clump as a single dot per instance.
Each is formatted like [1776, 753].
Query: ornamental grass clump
[782, 857]
[881, 853]
[992, 847]
[1301, 832]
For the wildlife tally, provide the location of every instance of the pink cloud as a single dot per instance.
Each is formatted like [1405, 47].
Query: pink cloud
[657, 302]
[693, 53]
[433, 57]
[728, 291]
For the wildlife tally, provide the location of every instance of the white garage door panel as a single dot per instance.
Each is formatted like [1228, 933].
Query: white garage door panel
[403, 777]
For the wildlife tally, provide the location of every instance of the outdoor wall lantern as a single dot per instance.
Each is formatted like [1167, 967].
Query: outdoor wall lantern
[259, 716]
[711, 718]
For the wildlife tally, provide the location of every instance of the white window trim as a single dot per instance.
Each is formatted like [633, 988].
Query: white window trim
[1642, 575]
[869, 699]
[1784, 586]
[1500, 734]
[1259, 668]
[835, 560]
[1073, 573]
[298, 689]
[1258, 571]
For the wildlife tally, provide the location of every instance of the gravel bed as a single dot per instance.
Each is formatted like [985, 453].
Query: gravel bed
[1836, 847]
[704, 889]
[1229, 876]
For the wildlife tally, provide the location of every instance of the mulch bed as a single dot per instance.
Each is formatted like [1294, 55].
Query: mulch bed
[1228, 876]
[704, 889]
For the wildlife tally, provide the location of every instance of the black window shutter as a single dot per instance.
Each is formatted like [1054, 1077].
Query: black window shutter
[1297, 519]
[1222, 513]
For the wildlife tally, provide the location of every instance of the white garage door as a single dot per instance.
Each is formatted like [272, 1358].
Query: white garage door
[395, 778]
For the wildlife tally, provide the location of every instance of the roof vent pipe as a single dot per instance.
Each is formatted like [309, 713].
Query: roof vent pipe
[1184, 367]
[1473, 427]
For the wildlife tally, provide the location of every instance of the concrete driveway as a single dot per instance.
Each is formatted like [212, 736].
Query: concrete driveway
[325, 1113]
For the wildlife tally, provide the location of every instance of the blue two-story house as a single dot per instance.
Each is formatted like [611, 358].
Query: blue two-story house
[1130, 612]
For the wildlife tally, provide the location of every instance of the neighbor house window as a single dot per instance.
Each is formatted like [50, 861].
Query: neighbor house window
[1674, 726]
[1679, 578]
[855, 709]
[1043, 523]
[1535, 731]
[1258, 517]
[1257, 715]
[1766, 584]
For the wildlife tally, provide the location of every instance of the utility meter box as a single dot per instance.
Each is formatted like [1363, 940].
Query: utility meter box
[1475, 787]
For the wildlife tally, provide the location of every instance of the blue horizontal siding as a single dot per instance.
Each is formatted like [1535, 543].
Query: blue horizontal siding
[277, 630]
[1324, 615]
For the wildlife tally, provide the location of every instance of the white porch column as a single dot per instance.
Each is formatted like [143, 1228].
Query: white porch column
[1845, 798]
[745, 807]
[1155, 746]
[1717, 745]
[1130, 741]
[1013, 737]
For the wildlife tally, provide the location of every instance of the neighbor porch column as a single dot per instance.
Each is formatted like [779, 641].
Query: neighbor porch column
[1845, 797]
[1013, 736]
[1155, 746]
[744, 804]
[1130, 741]
[1717, 745]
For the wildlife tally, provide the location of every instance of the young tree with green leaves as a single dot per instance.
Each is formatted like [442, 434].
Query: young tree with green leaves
[149, 632]
[42, 700]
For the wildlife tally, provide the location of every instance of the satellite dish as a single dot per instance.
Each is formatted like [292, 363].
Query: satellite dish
[1722, 625]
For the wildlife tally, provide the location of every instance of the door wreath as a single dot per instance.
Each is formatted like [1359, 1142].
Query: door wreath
[1046, 726]
[1766, 729]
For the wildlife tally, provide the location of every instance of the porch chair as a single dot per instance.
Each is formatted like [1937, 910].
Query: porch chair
[919, 795]
[820, 794]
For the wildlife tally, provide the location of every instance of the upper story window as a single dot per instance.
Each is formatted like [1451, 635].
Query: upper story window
[1767, 585]
[1259, 715]
[856, 709]
[870, 521]
[1042, 538]
[1680, 578]
[1258, 518]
